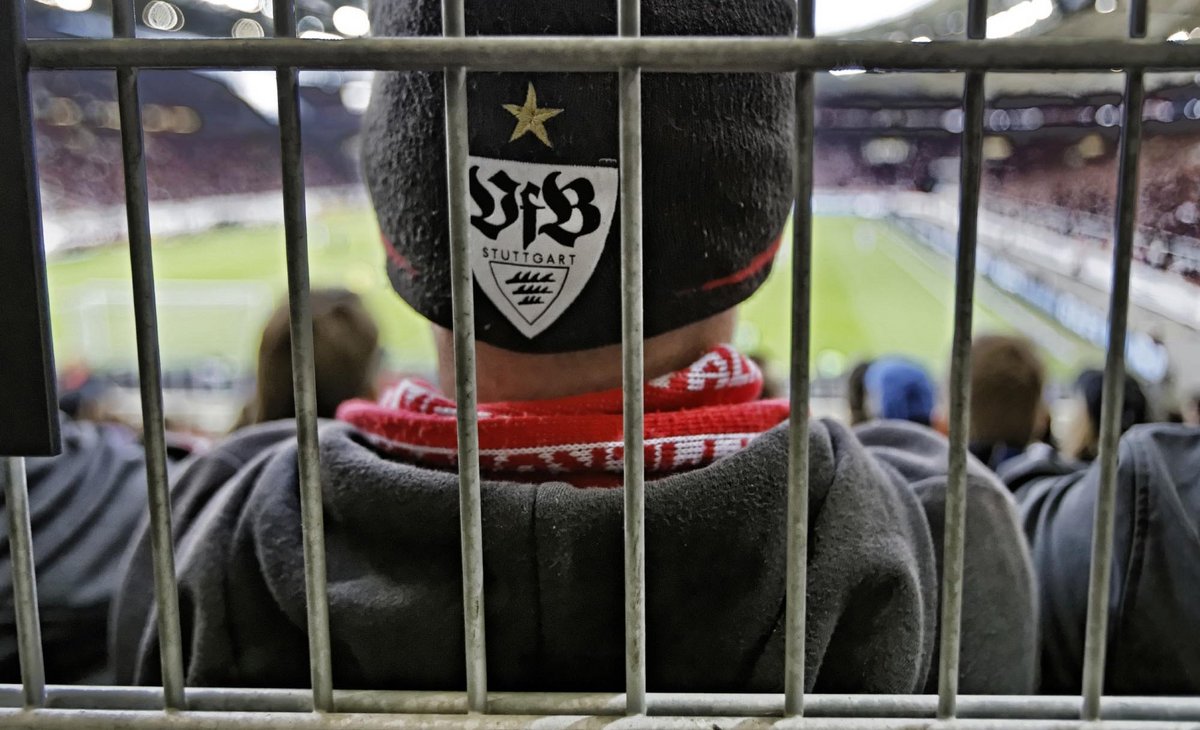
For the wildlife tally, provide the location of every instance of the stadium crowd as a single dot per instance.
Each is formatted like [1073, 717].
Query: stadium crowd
[1068, 186]
[81, 167]
[550, 444]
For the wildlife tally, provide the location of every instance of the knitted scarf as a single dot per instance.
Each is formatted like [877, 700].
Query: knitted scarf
[693, 417]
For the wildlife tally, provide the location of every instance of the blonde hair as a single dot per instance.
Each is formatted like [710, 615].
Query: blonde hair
[345, 348]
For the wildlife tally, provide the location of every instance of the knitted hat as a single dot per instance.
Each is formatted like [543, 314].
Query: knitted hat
[899, 389]
[544, 178]
[1134, 407]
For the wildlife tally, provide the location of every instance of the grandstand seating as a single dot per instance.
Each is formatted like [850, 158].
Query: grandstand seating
[1066, 184]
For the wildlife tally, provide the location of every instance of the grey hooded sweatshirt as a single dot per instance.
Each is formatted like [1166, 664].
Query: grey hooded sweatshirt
[1154, 603]
[715, 547]
[84, 508]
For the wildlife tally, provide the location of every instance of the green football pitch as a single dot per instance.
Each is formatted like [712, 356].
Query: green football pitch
[875, 291]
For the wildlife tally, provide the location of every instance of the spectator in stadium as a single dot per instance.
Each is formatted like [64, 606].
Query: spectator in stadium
[1006, 381]
[1191, 410]
[345, 347]
[1156, 581]
[1155, 602]
[84, 505]
[1082, 442]
[856, 393]
[81, 393]
[544, 240]
[898, 389]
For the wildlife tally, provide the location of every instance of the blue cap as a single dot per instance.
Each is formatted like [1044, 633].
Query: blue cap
[899, 389]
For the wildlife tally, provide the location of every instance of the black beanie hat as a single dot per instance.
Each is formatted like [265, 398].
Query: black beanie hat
[1134, 407]
[545, 221]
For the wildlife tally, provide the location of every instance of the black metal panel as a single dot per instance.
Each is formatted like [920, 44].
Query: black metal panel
[28, 396]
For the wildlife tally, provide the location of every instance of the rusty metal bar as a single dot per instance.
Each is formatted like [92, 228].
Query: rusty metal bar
[462, 284]
[295, 224]
[1125, 227]
[145, 315]
[970, 178]
[698, 55]
[797, 532]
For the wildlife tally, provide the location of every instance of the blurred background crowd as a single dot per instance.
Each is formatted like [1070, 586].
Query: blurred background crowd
[886, 170]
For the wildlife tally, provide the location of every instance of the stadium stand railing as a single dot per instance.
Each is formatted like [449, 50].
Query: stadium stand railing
[27, 390]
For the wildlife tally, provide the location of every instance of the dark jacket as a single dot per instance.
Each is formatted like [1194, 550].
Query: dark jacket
[1154, 603]
[84, 508]
[715, 544]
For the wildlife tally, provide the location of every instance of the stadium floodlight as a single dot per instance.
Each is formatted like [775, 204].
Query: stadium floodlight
[1022, 16]
[247, 28]
[75, 6]
[351, 21]
[162, 15]
[241, 6]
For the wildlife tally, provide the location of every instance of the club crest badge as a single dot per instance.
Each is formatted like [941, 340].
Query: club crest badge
[536, 234]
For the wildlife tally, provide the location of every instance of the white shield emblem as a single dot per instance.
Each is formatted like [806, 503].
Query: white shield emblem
[537, 232]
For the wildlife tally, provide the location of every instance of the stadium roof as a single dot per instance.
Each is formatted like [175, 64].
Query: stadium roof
[946, 20]
[1178, 20]
[903, 21]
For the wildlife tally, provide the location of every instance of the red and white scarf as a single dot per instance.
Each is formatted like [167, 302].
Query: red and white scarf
[693, 417]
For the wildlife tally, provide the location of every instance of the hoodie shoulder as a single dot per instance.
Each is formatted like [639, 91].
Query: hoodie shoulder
[1156, 567]
[999, 615]
[716, 562]
[1155, 593]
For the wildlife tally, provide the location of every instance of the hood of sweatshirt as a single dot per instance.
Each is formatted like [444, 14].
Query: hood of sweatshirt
[84, 507]
[553, 565]
[1154, 601]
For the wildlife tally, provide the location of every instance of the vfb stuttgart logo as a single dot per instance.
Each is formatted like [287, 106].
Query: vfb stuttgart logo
[537, 232]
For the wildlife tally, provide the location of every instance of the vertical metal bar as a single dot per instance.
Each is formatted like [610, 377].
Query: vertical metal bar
[632, 367]
[971, 166]
[20, 549]
[27, 393]
[462, 286]
[1125, 227]
[145, 317]
[797, 545]
[303, 370]
[28, 387]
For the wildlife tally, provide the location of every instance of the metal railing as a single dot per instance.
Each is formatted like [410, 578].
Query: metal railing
[29, 426]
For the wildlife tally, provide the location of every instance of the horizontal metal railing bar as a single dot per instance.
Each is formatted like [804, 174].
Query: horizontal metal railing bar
[190, 720]
[998, 707]
[610, 53]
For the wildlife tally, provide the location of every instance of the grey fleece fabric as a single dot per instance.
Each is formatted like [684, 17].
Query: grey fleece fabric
[84, 507]
[1155, 598]
[999, 629]
[553, 574]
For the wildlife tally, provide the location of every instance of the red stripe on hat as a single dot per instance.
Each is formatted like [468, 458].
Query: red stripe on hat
[397, 258]
[756, 265]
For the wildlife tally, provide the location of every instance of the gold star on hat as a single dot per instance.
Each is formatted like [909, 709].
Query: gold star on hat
[530, 118]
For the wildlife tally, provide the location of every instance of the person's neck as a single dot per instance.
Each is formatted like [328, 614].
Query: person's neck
[504, 375]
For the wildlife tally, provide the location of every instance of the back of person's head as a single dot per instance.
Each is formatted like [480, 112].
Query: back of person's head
[544, 232]
[1191, 409]
[899, 389]
[345, 349]
[1006, 381]
[1083, 441]
[856, 393]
